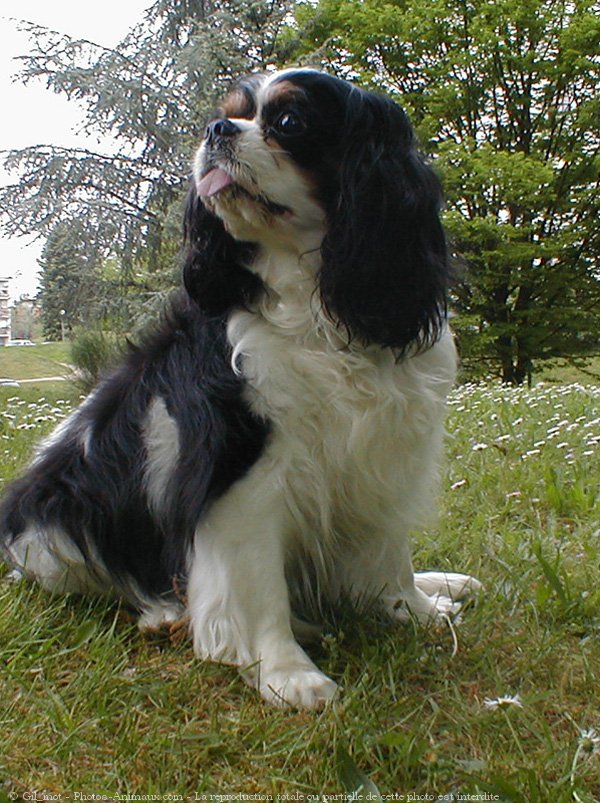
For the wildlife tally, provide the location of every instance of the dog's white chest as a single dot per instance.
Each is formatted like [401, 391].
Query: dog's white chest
[346, 423]
[314, 390]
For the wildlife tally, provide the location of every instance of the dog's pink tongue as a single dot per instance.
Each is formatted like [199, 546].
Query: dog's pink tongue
[213, 182]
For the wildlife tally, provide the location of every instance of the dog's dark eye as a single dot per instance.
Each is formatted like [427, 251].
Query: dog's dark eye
[288, 124]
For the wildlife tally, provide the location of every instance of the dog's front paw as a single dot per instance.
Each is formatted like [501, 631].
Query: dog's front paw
[457, 587]
[425, 609]
[298, 687]
[434, 597]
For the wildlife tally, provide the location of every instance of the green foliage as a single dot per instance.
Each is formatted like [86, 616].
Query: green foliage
[92, 353]
[152, 94]
[355, 783]
[504, 96]
[70, 286]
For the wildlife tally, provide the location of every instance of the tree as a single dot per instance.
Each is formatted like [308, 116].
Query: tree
[151, 96]
[69, 291]
[504, 97]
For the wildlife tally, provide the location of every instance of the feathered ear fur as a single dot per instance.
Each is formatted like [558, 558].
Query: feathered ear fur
[213, 272]
[385, 269]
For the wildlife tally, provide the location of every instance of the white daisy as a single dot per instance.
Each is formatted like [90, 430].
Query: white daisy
[589, 741]
[502, 702]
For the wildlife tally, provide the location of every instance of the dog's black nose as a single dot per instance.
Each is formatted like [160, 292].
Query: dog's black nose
[220, 129]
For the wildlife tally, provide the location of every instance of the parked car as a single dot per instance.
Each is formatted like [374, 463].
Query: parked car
[20, 342]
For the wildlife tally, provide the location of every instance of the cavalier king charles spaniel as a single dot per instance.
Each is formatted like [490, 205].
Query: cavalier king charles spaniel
[274, 444]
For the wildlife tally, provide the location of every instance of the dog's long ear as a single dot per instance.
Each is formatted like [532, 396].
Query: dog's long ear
[213, 261]
[384, 273]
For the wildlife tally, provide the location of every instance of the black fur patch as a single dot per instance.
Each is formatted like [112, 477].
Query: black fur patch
[98, 496]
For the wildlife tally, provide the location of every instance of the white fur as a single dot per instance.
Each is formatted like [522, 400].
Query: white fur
[157, 614]
[351, 469]
[352, 465]
[238, 598]
[56, 563]
[161, 440]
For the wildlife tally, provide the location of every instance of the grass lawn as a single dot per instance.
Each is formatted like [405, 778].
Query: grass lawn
[30, 362]
[586, 371]
[89, 707]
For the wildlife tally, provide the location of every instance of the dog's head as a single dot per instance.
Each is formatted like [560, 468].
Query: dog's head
[302, 161]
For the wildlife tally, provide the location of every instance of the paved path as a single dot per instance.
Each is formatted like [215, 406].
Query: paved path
[36, 379]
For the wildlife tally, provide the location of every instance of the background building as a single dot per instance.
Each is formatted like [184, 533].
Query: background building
[5, 327]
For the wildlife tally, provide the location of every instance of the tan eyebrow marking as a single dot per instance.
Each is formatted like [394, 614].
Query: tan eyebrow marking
[282, 92]
[238, 104]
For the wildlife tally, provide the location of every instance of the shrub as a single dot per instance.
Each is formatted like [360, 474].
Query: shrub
[93, 353]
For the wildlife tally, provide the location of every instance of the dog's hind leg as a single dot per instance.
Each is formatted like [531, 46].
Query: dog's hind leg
[50, 557]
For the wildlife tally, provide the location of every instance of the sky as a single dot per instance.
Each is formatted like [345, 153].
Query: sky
[33, 115]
